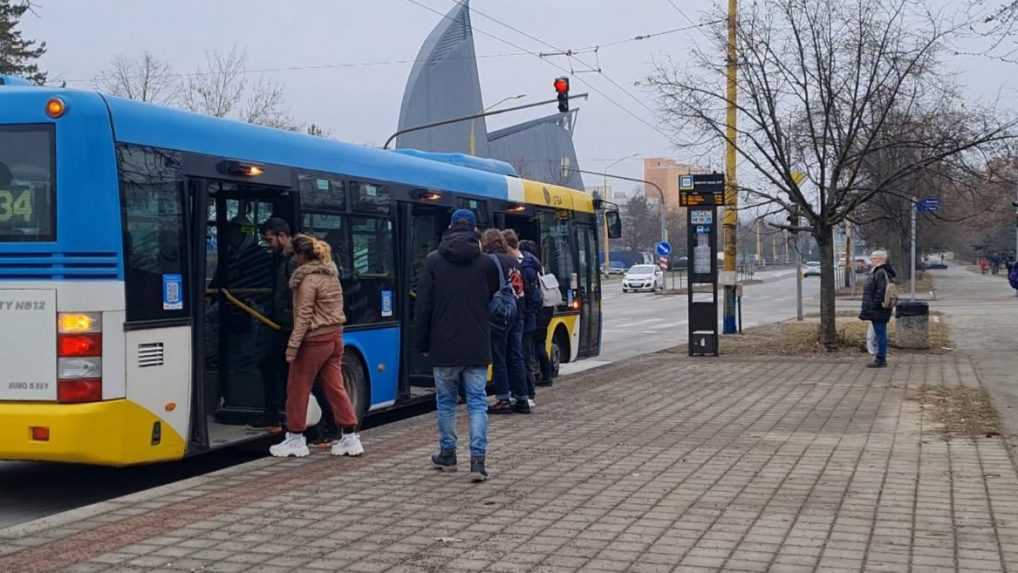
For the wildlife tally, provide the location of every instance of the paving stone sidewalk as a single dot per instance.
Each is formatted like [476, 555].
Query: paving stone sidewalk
[659, 463]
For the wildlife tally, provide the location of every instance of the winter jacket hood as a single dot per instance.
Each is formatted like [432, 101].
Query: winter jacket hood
[460, 245]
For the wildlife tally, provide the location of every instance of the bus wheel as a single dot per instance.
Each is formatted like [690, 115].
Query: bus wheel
[559, 348]
[356, 384]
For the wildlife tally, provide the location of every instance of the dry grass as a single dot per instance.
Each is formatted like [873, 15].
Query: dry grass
[958, 410]
[794, 337]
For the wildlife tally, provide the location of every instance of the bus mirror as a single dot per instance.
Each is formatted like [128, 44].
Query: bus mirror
[614, 224]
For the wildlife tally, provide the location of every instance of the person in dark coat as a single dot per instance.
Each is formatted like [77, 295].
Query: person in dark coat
[508, 369]
[452, 328]
[873, 304]
[532, 309]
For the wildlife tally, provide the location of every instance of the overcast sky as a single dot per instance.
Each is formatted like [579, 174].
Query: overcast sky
[369, 45]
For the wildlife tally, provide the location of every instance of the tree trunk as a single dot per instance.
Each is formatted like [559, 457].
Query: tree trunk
[828, 331]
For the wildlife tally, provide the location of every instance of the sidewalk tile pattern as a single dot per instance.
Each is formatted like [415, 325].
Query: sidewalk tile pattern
[659, 463]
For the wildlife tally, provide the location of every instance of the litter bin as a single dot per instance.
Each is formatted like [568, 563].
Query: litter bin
[912, 329]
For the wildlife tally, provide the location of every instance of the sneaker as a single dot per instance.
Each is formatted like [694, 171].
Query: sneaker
[532, 403]
[877, 364]
[293, 445]
[477, 471]
[501, 407]
[348, 445]
[522, 407]
[445, 460]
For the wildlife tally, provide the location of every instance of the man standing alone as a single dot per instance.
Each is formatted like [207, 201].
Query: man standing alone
[451, 319]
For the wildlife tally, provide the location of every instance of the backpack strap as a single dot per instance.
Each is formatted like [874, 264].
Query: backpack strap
[498, 265]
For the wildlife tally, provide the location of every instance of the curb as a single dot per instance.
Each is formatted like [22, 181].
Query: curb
[22, 530]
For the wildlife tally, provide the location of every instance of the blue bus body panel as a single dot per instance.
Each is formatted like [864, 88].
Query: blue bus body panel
[155, 126]
[88, 228]
[379, 347]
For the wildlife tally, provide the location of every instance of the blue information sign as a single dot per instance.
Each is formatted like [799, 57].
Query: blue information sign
[664, 248]
[928, 205]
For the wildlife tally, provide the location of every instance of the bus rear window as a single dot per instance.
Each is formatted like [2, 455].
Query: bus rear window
[27, 182]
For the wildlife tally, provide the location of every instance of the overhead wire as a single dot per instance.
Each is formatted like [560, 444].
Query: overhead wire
[565, 52]
[592, 87]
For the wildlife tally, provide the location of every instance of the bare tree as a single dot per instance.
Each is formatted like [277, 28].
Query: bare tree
[221, 89]
[826, 86]
[146, 79]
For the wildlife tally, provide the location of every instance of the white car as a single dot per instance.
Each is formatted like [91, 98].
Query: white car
[812, 269]
[643, 277]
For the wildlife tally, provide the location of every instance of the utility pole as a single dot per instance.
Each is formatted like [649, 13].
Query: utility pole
[731, 220]
[759, 241]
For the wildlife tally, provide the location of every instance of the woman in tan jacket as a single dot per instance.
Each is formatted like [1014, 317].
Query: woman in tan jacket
[315, 349]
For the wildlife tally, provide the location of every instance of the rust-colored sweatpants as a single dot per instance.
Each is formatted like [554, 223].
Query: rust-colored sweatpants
[318, 357]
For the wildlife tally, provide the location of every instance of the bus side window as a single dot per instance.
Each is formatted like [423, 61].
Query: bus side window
[154, 251]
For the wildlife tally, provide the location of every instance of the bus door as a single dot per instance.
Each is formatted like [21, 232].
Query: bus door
[423, 226]
[234, 313]
[588, 291]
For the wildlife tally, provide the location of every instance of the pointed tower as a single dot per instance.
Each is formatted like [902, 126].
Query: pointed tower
[443, 84]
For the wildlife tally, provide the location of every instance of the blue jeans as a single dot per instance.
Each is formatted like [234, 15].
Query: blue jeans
[880, 329]
[446, 396]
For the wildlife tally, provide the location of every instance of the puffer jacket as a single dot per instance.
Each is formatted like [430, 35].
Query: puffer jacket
[873, 294]
[317, 303]
[533, 300]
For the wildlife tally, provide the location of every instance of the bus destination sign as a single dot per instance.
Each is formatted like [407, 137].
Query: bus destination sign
[703, 190]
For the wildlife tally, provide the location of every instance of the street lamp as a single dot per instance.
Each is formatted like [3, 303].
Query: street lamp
[503, 100]
[473, 122]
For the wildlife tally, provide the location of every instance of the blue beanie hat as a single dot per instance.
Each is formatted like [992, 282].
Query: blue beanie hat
[465, 215]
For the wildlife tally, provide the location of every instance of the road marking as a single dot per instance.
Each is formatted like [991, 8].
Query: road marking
[638, 323]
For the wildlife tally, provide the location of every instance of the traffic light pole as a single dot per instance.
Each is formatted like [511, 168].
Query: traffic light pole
[661, 212]
[475, 116]
[731, 221]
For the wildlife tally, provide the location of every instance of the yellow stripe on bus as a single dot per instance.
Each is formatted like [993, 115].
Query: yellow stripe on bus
[558, 197]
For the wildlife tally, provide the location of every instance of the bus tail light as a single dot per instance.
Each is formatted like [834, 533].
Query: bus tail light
[79, 352]
[74, 345]
[40, 433]
[69, 391]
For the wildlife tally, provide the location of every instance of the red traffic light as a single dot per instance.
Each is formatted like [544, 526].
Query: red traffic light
[562, 85]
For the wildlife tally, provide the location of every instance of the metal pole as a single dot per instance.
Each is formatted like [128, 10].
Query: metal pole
[798, 275]
[914, 209]
[731, 222]
[663, 222]
[474, 116]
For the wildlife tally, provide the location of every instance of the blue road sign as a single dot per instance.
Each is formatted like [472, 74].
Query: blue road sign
[928, 205]
[664, 249]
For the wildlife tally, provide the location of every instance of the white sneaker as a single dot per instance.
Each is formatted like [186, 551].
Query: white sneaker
[348, 445]
[293, 445]
[532, 403]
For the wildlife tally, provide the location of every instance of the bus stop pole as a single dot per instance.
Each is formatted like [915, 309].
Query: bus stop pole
[915, 207]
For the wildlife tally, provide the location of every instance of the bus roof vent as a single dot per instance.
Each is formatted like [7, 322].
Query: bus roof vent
[464, 160]
[14, 81]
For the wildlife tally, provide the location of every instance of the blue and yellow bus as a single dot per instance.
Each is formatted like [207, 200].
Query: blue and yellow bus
[132, 273]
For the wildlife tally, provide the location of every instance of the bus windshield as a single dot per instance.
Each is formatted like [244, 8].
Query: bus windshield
[26, 183]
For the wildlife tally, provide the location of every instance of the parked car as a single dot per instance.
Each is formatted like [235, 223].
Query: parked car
[936, 265]
[863, 265]
[812, 269]
[616, 268]
[643, 277]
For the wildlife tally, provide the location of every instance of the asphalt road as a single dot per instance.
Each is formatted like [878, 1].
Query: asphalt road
[638, 323]
[634, 323]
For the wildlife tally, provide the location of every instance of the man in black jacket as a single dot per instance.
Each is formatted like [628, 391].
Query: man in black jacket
[873, 309]
[451, 320]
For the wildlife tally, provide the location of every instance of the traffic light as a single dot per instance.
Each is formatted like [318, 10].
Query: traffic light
[562, 88]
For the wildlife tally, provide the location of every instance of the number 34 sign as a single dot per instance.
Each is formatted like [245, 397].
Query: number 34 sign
[13, 205]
